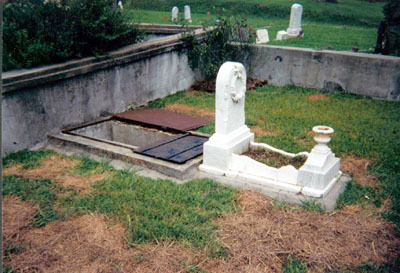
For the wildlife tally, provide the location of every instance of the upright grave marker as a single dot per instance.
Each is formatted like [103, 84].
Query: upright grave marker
[262, 36]
[175, 12]
[187, 14]
[294, 29]
[295, 20]
[231, 133]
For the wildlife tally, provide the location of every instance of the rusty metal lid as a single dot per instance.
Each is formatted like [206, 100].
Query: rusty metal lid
[163, 119]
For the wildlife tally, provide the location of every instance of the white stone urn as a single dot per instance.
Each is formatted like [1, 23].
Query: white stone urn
[323, 134]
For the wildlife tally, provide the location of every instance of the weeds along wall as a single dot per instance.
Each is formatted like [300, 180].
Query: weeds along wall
[41, 101]
[371, 75]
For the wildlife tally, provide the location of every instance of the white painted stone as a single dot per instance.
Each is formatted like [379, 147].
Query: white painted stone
[222, 152]
[322, 165]
[282, 35]
[175, 12]
[231, 133]
[264, 146]
[262, 36]
[187, 14]
[295, 20]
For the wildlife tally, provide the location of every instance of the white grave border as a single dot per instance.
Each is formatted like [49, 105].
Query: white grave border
[222, 152]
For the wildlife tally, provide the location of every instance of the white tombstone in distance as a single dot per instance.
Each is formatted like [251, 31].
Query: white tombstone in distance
[295, 20]
[175, 12]
[187, 14]
[294, 29]
[231, 134]
[282, 35]
[262, 36]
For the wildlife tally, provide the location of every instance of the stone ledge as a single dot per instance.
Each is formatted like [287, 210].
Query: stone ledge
[19, 79]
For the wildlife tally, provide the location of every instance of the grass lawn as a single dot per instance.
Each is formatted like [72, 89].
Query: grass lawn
[326, 25]
[97, 218]
[284, 117]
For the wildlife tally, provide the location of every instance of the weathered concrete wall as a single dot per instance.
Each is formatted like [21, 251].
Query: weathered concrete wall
[364, 74]
[41, 101]
[46, 100]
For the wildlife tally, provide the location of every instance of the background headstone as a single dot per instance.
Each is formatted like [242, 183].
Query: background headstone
[295, 20]
[262, 36]
[175, 12]
[187, 14]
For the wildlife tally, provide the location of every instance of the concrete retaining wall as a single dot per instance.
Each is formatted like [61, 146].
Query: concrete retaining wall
[39, 102]
[364, 74]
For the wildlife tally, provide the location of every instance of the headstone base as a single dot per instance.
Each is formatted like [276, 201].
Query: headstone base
[218, 150]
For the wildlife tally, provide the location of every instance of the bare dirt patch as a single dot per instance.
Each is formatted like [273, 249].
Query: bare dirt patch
[257, 130]
[357, 167]
[274, 159]
[317, 97]
[91, 244]
[186, 109]
[260, 238]
[58, 169]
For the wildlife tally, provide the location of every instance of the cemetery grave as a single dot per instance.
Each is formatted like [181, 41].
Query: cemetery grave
[181, 219]
[339, 26]
[176, 185]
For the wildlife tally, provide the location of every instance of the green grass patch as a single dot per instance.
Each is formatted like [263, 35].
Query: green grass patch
[311, 205]
[88, 166]
[160, 209]
[276, 204]
[29, 159]
[40, 192]
[357, 194]
[153, 210]
[317, 35]
[350, 12]
[293, 265]
[363, 127]
[207, 129]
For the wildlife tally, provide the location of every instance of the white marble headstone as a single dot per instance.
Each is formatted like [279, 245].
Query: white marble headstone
[187, 13]
[295, 19]
[230, 93]
[262, 36]
[175, 12]
[231, 133]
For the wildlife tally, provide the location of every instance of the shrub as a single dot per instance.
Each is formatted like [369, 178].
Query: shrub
[37, 32]
[210, 52]
[392, 35]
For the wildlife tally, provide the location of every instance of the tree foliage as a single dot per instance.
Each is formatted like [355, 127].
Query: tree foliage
[37, 32]
[392, 18]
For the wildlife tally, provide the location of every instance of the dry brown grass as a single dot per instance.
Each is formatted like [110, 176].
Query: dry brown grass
[260, 238]
[16, 216]
[91, 244]
[257, 130]
[317, 97]
[58, 169]
[186, 109]
[357, 167]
